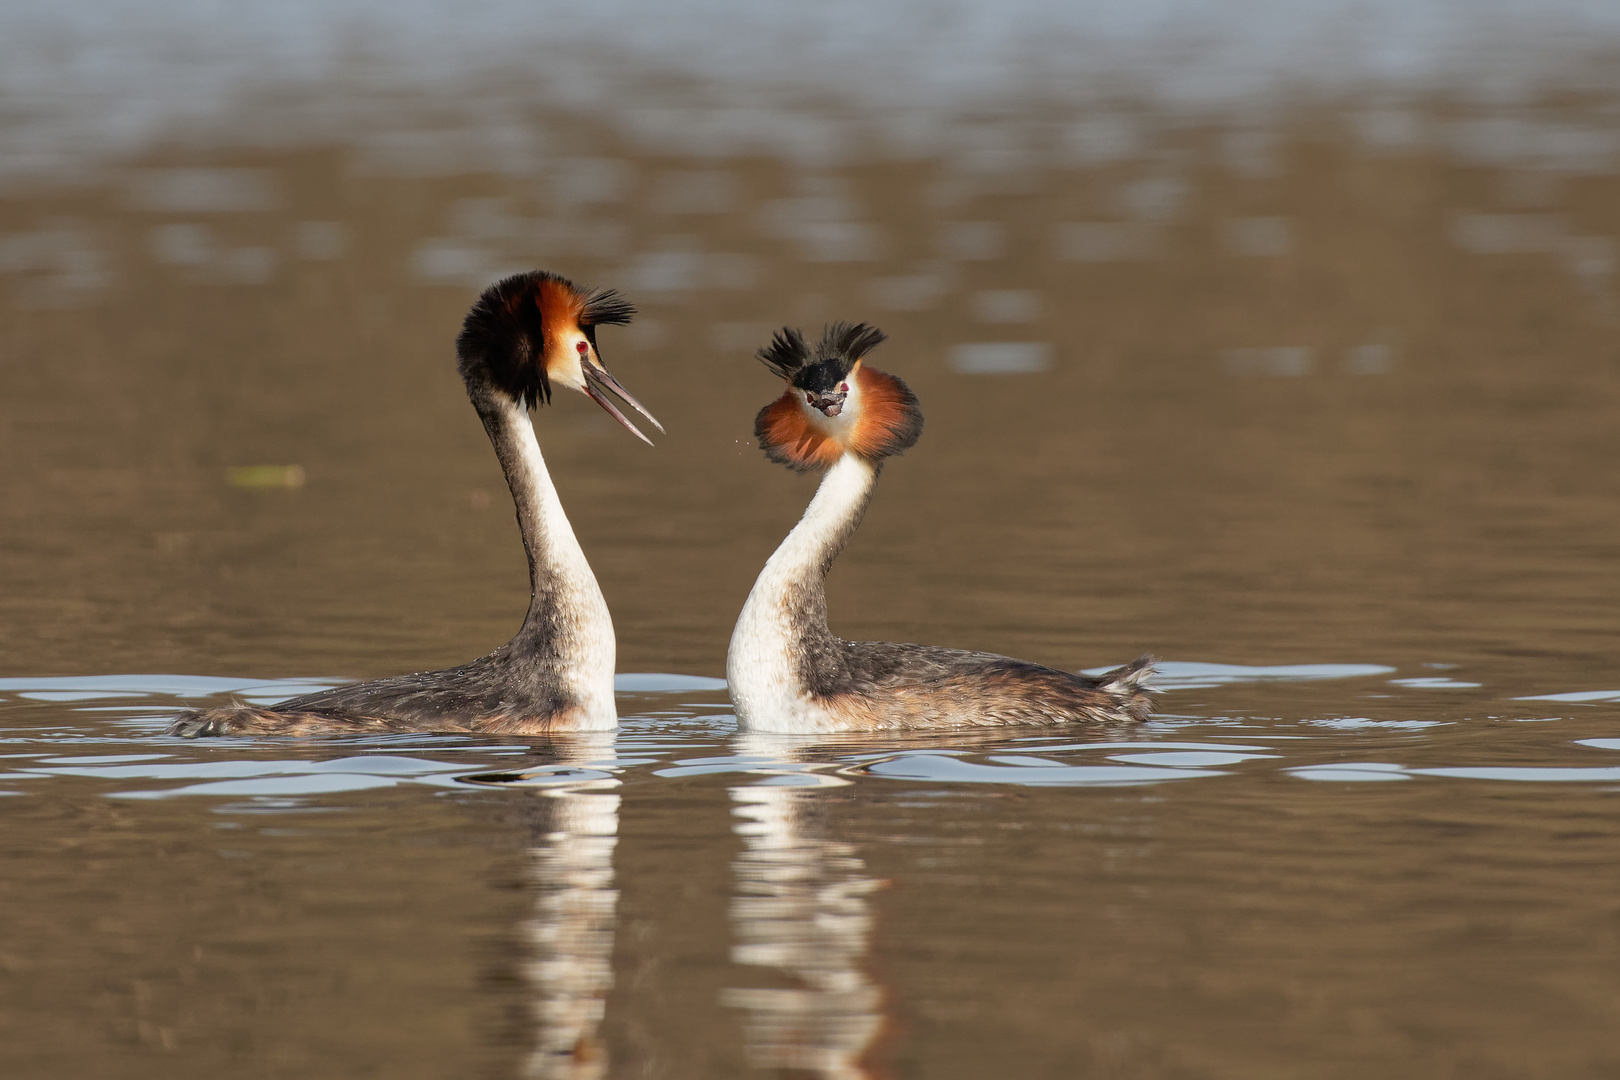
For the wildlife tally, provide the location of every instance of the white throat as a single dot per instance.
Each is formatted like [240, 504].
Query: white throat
[584, 640]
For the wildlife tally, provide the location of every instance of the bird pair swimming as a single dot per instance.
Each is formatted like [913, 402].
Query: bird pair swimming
[785, 669]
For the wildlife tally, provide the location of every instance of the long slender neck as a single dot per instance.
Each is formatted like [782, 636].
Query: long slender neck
[567, 633]
[782, 632]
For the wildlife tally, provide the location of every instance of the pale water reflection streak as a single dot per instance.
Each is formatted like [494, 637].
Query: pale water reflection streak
[572, 934]
[801, 911]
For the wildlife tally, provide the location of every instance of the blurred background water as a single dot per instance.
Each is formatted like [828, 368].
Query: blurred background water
[1281, 340]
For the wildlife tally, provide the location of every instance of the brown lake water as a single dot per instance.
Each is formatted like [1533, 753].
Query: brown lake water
[1320, 404]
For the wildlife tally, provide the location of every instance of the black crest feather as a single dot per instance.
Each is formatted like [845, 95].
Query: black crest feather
[606, 307]
[786, 353]
[821, 368]
[853, 341]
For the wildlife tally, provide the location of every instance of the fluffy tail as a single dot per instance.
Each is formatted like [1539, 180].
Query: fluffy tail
[1130, 684]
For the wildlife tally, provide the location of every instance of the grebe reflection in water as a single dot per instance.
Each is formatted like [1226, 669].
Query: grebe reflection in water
[802, 910]
[571, 932]
[524, 335]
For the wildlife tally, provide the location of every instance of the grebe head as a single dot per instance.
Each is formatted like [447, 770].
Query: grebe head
[532, 330]
[834, 403]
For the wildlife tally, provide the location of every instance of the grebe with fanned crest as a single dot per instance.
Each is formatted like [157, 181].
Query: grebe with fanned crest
[523, 335]
[785, 669]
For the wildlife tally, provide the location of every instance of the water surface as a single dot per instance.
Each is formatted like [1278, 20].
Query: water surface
[1253, 880]
[1305, 382]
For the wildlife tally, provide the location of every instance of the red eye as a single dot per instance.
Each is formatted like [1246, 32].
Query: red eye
[843, 388]
[809, 397]
[583, 348]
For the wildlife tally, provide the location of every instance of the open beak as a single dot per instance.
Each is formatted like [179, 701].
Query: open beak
[829, 404]
[596, 378]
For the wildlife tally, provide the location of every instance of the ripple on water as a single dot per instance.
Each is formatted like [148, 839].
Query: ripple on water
[1190, 675]
[1579, 697]
[668, 717]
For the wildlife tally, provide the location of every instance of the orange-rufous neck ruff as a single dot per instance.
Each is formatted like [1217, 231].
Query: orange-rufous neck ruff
[884, 420]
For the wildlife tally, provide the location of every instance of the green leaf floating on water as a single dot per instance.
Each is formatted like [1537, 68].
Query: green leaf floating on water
[265, 476]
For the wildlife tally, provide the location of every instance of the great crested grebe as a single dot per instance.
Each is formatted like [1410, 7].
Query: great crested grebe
[785, 669]
[524, 335]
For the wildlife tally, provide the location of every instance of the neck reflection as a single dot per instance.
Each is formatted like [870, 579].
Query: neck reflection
[570, 935]
[801, 909]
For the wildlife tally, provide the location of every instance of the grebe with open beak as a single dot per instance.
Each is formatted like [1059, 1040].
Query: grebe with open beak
[786, 671]
[523, 336]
